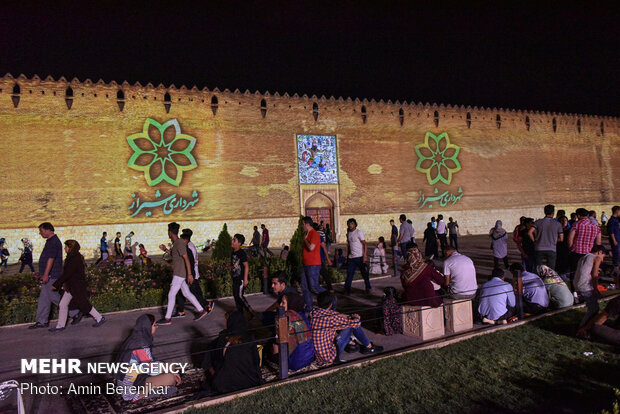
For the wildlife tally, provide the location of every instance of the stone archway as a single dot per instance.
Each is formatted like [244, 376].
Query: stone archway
[321, 208]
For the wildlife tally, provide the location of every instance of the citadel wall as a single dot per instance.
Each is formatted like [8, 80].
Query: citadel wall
[65, 160]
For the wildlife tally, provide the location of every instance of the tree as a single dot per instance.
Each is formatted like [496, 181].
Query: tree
[223, 247]
[295, 254]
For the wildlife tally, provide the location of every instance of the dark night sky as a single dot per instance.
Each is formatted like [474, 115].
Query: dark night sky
[518, 55]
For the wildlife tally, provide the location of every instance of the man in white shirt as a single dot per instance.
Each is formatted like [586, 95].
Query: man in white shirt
[356, 256]
[441, 234]
[460, 275]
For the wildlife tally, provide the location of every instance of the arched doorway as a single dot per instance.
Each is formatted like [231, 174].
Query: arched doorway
[321, 208]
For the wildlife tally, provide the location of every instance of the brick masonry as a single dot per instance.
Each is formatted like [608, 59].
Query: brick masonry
[69, 166]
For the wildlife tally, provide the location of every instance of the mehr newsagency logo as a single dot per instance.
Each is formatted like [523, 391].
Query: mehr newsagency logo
[438, 160]
[163, 153]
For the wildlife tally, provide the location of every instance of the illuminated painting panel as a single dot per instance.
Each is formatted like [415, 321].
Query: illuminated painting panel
[317, 159]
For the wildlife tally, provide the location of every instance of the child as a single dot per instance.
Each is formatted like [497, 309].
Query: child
[378, 264]
[284, 252]
[143, 256]
[239, 271]
[392, 315]
[26, 256]
[4, 255]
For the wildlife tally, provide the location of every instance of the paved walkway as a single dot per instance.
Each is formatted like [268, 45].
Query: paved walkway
[184, 337]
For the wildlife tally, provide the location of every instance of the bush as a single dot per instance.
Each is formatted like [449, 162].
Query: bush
[223, 248]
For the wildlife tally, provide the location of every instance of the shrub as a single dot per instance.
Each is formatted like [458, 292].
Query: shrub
[223, 248]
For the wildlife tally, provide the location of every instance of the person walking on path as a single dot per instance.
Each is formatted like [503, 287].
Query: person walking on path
[103, 248]
[265, 241]
[499, 244]
[26, 256]
[73, 280]
[357, 258]
[394, 246]
[181, 270]
[548, 232]
[240, 269]
[613, 229]
[50, 269]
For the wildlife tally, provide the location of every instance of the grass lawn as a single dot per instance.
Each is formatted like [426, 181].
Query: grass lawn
[537, 367]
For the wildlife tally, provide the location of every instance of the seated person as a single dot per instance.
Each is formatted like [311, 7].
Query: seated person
[496, 299]
[300, 346]
[392, 315]
[559, 293]
[417, 278]
[231, 362]
[597, 326]
[460, 274]
[137, 350]
[295, 301]
[327, 324]
[535, 297]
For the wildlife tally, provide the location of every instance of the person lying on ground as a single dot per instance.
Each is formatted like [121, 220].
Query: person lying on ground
[601, 326]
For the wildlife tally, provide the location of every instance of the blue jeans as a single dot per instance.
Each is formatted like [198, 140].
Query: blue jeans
[344, 336]
[310, 284]
[352, 265]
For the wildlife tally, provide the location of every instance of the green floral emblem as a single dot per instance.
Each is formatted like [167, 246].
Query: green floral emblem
[162, 152]
[438, 158]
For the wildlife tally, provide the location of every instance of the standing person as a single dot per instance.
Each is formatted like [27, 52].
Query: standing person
[377, 261]
[433, 222]
[430, 237]
[240, 271]
[4, 254]
[73, 280]
[128, 247]
[592, 217]
[265, 241]
[144, 258]
[518, 228]
[194, 286]
[311, 256]
[329, 238]
[50, 269]
[406, 234]
[525, 242]
[255, 243]
[181, 270]
[325, 261]
[613, 229]
[460, 275]
[26, 255]
[604, 218]
[394, 246]
[356, 256]
[586, 280]
[584, 235]
[441, 234]
[118, 250]
[548, 231]
[103, 247]
[561, 248]
[573, 219]
[453, 233]
[499, 244]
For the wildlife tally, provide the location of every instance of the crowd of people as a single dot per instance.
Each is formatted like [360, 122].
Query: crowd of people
[561, 260]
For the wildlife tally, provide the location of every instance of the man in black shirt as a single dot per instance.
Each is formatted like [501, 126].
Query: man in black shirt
[240, 271]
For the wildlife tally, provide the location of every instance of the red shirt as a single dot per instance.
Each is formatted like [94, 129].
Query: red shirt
[585, 235]
[312, 257]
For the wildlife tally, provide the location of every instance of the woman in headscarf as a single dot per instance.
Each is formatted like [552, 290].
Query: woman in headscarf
[26, 257]
[73, 280]
[136, 350]
[499, 244]
[232, 360]
[430, 237]
[417, 278]
[559, 294]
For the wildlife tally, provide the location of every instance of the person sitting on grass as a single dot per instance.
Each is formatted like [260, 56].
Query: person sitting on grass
[496, 299]
[597, 325]
[231, 362]
[327, 324]
[535, 296]
[136, 350]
